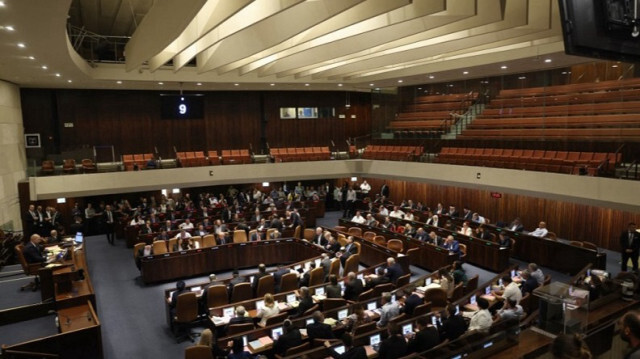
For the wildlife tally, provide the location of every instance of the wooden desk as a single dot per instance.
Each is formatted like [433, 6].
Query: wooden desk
[184, 264]
[77, 318]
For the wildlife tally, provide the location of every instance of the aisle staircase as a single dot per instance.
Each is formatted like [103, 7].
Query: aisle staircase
[463, 121]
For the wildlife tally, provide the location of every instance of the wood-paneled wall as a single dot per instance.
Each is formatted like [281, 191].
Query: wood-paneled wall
[131, 120]
[568, 220]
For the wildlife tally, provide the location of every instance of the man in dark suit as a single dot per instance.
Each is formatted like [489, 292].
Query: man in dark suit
[180, 288]
[466, 213]
[318, 237]
[453, 326]
[630, 246]
[262, 272]
[384, 190]
[108, 218]
[306, 302]
[76, 226]
[276, 223]
[411, 302]
[332, 245]
[318, 329]
[277, 276]
[235, 279]
[349, 250]
[529, 283]
[290, 338]
[306, 276]
[395, 346]
[31, 250]
[374, 280]
[240, 318]
[257, 236]
[452, 245]
[453, 212]
[394, 270]
[350, 352]
[295, 219]
[516, 225]
[30, 219]
[425, 339]
[54, 238]
[353, 287]
[421, 235]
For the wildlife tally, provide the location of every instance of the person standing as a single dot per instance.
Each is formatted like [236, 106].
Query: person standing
[109, 224]
[630, 247]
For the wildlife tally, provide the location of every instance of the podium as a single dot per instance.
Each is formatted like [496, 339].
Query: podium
[563, 308]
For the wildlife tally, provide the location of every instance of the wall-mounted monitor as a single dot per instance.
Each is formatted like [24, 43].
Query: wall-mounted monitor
[190, 106]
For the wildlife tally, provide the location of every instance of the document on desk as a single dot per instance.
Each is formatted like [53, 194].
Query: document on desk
[53, 265]
[260, 343]
[220, 320]
[331, 321]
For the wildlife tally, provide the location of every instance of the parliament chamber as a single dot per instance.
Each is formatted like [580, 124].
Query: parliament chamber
[207, 179]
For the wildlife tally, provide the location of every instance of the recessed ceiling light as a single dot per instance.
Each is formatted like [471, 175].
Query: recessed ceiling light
[306, 84]
[119, 82]
[44, 67]
[21, 45]
[465, 72]
[377, 88]
[31, 58]
[199, 84]
[419, 88]
[400, 81]
[236, 84]
[522, 77]
[1, 3]
[504, 67]
[339, 85]
[69, 81]
[370, 84]
[547, 60]
[160, 83]
[614, 66]
[272, 84]
[57, 75]
[431, 76]
[9, 28]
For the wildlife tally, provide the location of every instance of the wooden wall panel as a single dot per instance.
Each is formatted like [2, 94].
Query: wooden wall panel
[568, 220]
[131, 120]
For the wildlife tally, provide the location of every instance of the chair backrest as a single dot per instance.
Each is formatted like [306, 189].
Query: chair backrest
[340, 228]
[288, 282]
[198, 352]
[351, 264]
[403, 280]
[472, 284]
[136, 249]
[437, 297]
[547, 279]
[525, 302]
[463, 250]
[197, 241]
[278, 318]
[364, 328]
[358, 245]
[422, 309]
[186, 307]
[266, 285]
[342, 240]
[217, 295]
[551, 235]
[296, 232]
[209, 241]
[398, 318]
[309, 233]
[335, 268]
[458, 292]
[395, 245]
[575, 243]
[355, 231]
[269, 231]
[316, 276]
[299, 349]
[368, 294]
[331, 303]
[311, 310]
[590, 245]
[241, 292]
[380, 240]
[172, 243]
[159, 247]
[381, 288]
[368, 235]
[28, 269]
[239, 235]
[239, 328]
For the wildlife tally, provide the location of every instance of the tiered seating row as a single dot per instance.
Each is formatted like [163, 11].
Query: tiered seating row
[563, 110]
[140, 160]
[534, 160]
[236, 157]
[192, 159]
[198, 158]
[626, 120]
[572, 88]
[300, 154]
[566, 99]
[600, 134]
[396, 153]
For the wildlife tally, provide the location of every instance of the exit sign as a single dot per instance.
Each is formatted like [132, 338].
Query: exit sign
[496, 195]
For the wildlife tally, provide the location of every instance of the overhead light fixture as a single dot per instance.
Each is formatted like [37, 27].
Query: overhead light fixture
[119, 82]
[265, 184]
[199, 84]
[306, 84]
[272, 84]
[61, 200]
[419, 88]
[69, 81]
[1, 3]
[400, 81]
[614, 66]
[522, 77]
[21, 45]
[503, 67]
[31, 58]
[58, 75]
[465, 72]
[431, 77]
[371, 85]
[236, 84]
[161, 83]
[547, 60]
[9, 28]
[339, 85]
[175, 190]
[44, 67]
[354, 179]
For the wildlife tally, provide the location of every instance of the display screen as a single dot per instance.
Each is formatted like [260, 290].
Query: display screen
[182, 106]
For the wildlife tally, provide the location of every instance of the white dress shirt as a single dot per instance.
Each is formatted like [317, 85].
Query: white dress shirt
[539, 232]
[481, 321]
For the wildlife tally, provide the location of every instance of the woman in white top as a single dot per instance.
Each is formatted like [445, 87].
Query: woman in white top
[269, 309]
[446, 282]
[466, 229]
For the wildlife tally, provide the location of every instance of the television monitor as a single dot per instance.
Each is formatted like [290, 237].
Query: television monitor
[318, 261]
[182, 106]
[605, 29]
[457, 309]
[196, 289]
[427, 282]
[372, 305]
[513, 273]
[343, 314]
[588, 272]
[393, 298]
[79, 238]
[244, 340]
[487, 290]
[276, 333]
[500, 283]
[434, 320]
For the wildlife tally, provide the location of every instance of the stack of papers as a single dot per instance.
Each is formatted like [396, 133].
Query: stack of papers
[260, 343]
[331, 321]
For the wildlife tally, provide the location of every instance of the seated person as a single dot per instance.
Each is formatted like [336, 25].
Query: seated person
[536, 273]
[451, 245]
[180, 288]
[529, 284]
[332, 244]
[421, 235]
[394, 270]
[446, 281]
[387, 224]
[452, 325]
[183, 244]
[54, 238]
[503, 240]
[388, 310]
[333, 290]
[145, 251]
[510, 310]
[427, 336]
[268, 310]
[200, 231]
[395, 346]
[350, 352]
[349, 250]
[541, 231]
[262, 272]
[352, 287]
[275, 234]
[235, 279]
[151, 163]
[357, 318]
[411, 301]
[163, 236]
[511, 290]
[599, 287]
[306, 302]
[306, 276]
[459, 274]
[358, 218]
[482, 233]
[377, 279]
[146, 229]
[481, 320]
[318, 329]
[237, 350]
[241, 317]
[31, 251]
[290, 338]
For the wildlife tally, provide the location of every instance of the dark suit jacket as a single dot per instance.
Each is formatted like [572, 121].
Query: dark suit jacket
[305, 304]
[234, 281]
[349, 250]
[352, 353]
[353, 289]
[286, 341]
[452, 327]
[256, 279]
[238, 320]
[385, 191]
[319, 331]
[411, 303]
[394, 272]
[32, 253]
[277, 276]
[424, 340]
[635, 243]
[422, 236]
[254, 237]
[174, 297]
[333, 291]
[276, 223]
[323, 241]
[529, 285]
[335, 247]
[393, 347]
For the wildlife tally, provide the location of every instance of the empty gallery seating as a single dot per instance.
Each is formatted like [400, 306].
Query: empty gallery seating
[234, 157]
[139, 161]
[291, 154]
[591, 163]
[394, 153]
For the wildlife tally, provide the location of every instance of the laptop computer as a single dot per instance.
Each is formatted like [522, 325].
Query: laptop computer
[343, 314]
[472, 300]
[487, 290]
[320, 291]
[79, 239]
[260, 304]
[427, 282]
[407, 329]
[372, 306]
[276, 333]
[340, 349]
[228, 312]
[291, 298]
[374, 341]
[309, 321]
